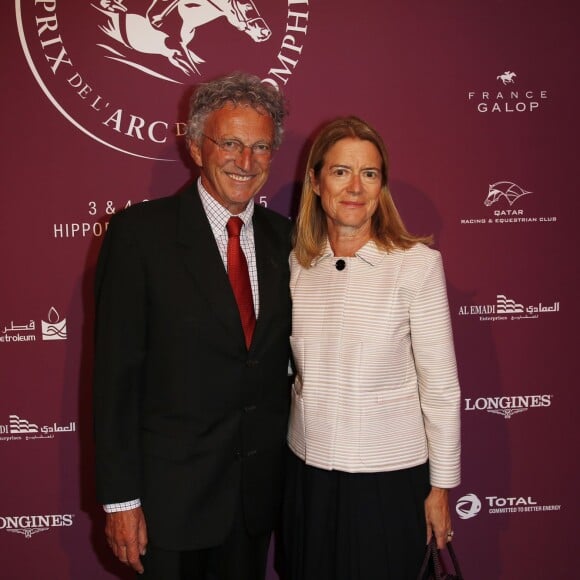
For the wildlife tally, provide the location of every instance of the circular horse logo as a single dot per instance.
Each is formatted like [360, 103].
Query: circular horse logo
[121, 70]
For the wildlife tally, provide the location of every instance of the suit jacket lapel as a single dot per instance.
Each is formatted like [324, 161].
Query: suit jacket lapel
[203, 261]
[268, 262]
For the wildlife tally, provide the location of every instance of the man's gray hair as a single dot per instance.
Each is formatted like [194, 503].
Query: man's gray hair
[240, 89]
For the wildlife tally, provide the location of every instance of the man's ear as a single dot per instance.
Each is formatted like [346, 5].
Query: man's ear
[195, 152]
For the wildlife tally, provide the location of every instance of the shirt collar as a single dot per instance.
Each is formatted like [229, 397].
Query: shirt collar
[369, 253]
[218, 215]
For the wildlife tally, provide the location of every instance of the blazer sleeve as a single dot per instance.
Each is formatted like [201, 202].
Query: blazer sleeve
[120, 345]
[432, 343]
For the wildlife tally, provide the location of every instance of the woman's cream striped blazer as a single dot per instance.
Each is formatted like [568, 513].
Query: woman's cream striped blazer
[376, 385]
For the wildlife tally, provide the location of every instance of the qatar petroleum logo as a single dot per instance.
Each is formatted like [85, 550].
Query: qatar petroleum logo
[54, 328]
[468, 506]
[121, 71]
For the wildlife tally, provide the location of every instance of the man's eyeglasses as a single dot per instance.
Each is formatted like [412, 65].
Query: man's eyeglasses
[235, 146]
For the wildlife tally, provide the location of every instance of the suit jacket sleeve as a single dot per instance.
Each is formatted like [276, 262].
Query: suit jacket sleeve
[120, 344]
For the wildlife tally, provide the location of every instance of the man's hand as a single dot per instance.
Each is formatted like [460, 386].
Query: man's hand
[437, 516]
[126, 533]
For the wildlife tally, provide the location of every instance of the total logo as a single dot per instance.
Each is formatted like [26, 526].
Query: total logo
[470, 505]
[116, 69]
[53, 328]
[500, 198]
[27, 526]
[508, 406]
[507, 94]
[507, 308]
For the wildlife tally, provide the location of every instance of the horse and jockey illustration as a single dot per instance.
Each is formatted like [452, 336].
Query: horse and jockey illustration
[507, 77]
[144, 30]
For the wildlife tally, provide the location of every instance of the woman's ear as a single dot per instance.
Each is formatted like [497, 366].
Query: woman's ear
[313, 181]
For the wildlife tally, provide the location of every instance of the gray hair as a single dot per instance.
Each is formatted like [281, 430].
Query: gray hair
[237, 88]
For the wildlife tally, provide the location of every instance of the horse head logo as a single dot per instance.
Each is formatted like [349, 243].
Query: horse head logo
[507, 189]
[167, 28]
[245, 17]
[507, 77]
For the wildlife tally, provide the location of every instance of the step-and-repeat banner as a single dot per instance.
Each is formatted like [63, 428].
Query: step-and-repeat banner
[478, 104]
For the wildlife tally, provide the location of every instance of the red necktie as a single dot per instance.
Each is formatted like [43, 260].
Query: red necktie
[240, 279]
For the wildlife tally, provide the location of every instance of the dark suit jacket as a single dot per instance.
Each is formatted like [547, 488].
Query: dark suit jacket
[186, 419]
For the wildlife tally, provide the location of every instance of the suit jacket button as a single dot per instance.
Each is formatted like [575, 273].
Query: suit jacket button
[250, 408]
[251, 363]
[251, 452]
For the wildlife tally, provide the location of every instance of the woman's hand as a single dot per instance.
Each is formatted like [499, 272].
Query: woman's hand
[437, 516]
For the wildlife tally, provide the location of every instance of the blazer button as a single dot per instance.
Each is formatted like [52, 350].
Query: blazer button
[251, 363]
[249, 408]
[251, 452]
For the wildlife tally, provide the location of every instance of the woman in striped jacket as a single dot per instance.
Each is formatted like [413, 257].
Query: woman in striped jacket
[374, 428]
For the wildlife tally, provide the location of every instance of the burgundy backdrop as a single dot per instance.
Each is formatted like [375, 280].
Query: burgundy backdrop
[477, 102]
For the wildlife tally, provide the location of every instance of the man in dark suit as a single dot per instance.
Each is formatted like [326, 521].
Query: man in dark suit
[191, 389]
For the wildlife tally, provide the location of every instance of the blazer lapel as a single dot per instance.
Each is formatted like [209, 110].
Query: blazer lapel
[269, 264]
[202, 259]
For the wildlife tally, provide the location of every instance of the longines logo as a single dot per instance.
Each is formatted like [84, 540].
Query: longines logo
[500, 198]
[508, 406]
[30, 525]
[507, 95]
[99, 62]
[470, 505]
[507, 308]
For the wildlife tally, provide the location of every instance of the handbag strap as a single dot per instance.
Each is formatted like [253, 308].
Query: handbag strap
[437, 566]
[432, 555]
[425, 563]
[451, 551]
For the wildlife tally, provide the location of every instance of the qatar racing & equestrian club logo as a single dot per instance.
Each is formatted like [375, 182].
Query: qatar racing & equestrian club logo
[500, 199]
[121, 71]
[508, 190]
